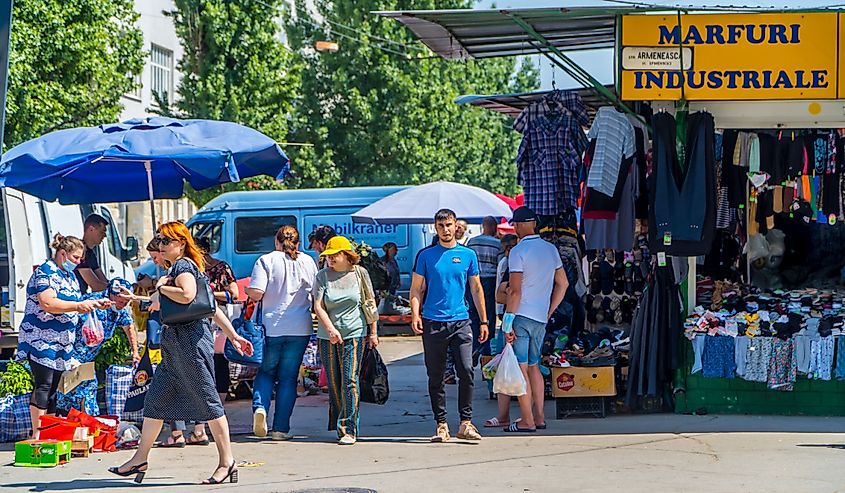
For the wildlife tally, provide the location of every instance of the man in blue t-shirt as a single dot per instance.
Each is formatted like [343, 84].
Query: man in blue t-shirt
[441, 274]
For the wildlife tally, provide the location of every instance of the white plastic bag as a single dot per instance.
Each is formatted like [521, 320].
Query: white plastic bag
[488, 371]
[509, 379]
[92, 331]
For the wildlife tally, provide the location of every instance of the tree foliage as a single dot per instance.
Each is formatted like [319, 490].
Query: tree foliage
[235, 68]
[377, 117]
[70, 63]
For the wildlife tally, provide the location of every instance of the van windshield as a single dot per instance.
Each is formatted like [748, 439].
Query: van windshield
[210, 230]
[258, 234]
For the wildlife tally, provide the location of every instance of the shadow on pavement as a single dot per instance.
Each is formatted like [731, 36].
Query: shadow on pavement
[837, 446]
[85, 484]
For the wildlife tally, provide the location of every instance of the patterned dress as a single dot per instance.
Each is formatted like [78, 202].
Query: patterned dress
[48, 338]
[84, 397]
[183, 384]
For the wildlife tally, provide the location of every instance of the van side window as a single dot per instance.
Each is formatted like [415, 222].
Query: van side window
[211, 230]
[257, 234]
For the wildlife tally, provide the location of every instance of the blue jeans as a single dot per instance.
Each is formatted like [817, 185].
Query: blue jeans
[280, 369]
[529, 340]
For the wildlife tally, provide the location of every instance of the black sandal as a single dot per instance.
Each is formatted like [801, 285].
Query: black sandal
[136, 470]
[231, 475]
[192, 440]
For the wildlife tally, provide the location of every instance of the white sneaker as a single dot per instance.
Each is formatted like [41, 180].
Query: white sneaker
[346, 440]
[259, 422]
[281, 436]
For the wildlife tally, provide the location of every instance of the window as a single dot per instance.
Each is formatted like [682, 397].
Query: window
[257, 234]
[212, 231]
[137, 85]
[112, 240]
[161, 73]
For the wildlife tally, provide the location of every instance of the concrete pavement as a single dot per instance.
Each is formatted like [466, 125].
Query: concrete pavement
[645, 453]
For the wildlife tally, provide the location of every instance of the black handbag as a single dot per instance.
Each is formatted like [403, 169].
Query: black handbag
[202, 306]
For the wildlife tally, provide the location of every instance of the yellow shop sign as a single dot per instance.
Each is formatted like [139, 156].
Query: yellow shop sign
[718, 57]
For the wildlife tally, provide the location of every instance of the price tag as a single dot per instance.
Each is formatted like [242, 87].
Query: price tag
[667, 238]
[661, 259]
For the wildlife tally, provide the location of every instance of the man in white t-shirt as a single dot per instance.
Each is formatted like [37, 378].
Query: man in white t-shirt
[537, 286]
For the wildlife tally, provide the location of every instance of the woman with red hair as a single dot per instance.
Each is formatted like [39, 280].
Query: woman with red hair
[183, 386]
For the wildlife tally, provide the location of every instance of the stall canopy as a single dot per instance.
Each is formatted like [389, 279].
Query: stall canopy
[513, 104]
[468, 34]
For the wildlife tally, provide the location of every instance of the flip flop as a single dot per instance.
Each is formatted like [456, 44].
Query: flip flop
[173, 444]
[514, 428]
[493, 423]
[541, 427]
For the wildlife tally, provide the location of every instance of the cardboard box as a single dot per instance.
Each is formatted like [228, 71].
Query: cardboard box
[82, 448]
[42, 453]
[583, 381]
[72, 378]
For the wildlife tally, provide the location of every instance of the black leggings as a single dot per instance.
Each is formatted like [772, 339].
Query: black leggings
[46, 387]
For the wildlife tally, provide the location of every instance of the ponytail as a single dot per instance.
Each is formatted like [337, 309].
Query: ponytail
[288, 238]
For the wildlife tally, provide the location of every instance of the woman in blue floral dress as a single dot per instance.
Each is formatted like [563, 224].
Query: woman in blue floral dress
[48, 329]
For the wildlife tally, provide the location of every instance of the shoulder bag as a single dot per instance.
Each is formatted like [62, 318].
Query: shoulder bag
[368, 299]
[252, 330]
[202, 306]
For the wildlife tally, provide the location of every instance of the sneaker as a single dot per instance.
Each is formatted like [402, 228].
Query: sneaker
[346, 440]
[442, 434]
[259, 422]
[281, 436]
[468, 431]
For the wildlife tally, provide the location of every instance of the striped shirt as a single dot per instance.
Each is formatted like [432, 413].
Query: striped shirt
[614, 136]
[487, 249]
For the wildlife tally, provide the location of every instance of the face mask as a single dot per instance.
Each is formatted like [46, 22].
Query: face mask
[68, 265]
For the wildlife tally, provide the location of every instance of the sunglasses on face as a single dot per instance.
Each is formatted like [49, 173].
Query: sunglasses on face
[163, 240]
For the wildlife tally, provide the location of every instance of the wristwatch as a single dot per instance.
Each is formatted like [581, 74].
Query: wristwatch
[484, 322]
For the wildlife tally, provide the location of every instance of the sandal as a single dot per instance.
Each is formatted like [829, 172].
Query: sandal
[493, 423]
[195, 439]
[172, 442]
[514, 428]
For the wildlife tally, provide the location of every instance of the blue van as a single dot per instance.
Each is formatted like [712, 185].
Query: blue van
[241, 226]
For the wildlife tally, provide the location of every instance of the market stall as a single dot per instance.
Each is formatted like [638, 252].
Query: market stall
[713, 170]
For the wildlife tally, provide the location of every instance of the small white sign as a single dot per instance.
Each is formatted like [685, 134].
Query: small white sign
[646, 58]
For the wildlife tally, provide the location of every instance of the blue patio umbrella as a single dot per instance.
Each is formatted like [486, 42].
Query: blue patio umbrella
[141, 159]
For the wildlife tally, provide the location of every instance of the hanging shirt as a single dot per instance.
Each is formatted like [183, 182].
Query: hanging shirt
[554, 101]
[549, 161]
[614, 136]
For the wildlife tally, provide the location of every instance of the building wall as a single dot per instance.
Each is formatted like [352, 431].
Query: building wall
[135, 218]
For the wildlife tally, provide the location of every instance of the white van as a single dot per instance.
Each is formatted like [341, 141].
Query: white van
[28, 227]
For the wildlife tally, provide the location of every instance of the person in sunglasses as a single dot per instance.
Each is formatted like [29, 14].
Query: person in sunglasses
[183, 387]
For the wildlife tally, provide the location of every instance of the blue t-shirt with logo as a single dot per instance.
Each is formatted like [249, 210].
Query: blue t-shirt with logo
[446, 271]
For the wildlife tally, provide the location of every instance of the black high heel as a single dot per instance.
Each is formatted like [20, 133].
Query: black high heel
[136, 470]
[231, 475]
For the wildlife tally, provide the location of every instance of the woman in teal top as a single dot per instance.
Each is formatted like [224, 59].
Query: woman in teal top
[342, 330]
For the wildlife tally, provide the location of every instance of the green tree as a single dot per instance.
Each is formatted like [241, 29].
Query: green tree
[70, 62]
[235, 68]
[381, 111]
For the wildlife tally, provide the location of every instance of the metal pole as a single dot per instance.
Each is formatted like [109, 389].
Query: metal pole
[148, 166]
[5, 33]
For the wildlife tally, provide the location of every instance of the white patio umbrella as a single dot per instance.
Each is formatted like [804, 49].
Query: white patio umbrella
[417, 205]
